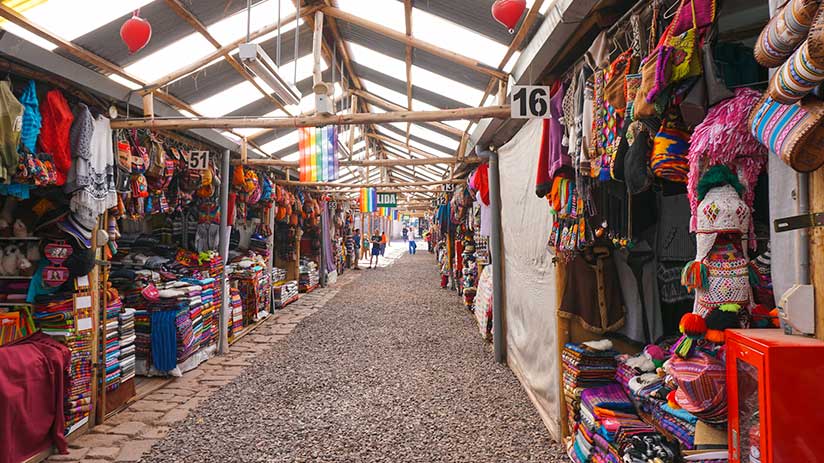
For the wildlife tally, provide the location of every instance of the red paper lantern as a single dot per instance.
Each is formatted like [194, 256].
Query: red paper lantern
[508, 12]
[136, 32]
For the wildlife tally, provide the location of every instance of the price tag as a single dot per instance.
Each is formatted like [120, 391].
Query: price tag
[82, 302]
[198, 160]
[530, 102]
[84, 324]
[449, 187]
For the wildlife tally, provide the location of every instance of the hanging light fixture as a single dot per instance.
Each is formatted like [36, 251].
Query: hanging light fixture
[257, 62]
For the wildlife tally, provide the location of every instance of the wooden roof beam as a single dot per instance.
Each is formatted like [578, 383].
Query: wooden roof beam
[501, 112]
[369, 185]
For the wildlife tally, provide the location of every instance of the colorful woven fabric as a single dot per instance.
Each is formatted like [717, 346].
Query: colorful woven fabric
[368, 200]
[724, 137]
[669, 155]
[782, 128]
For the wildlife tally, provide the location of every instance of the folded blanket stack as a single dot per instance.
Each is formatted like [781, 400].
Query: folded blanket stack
[127, 344]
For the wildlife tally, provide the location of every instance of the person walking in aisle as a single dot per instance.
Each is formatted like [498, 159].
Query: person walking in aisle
[365, 245]
[384, 243]
[376, 249]
[405, 233]
[356, 238]
[413, 246]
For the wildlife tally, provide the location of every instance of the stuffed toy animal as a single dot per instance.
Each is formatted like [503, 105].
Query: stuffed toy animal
[33, 252]
[20, 230]
[13, 261]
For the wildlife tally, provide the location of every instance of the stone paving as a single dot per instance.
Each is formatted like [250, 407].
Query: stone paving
[130, 434]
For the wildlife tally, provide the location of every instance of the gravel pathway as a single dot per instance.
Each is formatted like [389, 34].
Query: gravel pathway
[392, 369]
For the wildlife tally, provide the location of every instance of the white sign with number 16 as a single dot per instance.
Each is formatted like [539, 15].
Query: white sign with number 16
[530, 102]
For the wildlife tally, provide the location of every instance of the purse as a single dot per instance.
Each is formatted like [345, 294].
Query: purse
[616, 87]
[793, 132]
[669, 153]
[637, 175]
[653, 72]
[717, 90]
[684, 57]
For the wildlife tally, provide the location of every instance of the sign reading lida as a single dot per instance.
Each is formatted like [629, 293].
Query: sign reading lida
[387, 200]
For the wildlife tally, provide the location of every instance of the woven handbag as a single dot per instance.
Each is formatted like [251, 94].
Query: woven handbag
[793, 132]
[685, 58]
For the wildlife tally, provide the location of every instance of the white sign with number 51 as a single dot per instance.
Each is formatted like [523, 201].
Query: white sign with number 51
[198, 160]
[530, 102]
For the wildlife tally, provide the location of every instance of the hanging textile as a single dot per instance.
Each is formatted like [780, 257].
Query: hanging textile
[368, 199]
[318, 154]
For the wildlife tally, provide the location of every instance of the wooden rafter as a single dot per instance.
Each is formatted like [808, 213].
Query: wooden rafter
[369, 185]
[416, 43]
[501, 112]
[396, 161]
[198, 26]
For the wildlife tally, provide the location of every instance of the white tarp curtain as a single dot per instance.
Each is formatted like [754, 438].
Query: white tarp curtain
[529, 276]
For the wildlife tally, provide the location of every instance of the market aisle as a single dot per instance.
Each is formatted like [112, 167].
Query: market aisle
[391, 369]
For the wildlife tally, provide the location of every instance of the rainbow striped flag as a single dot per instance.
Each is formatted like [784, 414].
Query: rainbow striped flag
[368, 200]
[318, 153]
[388, 212]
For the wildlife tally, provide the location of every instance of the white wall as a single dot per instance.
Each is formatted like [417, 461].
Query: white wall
[529, 276]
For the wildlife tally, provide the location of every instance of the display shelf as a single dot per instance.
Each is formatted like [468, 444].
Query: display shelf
[15, 304]
[19, 277]
[25, 238]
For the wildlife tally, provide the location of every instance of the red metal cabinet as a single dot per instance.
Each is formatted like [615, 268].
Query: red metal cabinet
[775, 386]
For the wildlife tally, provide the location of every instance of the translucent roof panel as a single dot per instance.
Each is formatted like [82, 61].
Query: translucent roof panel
[401, 99]
[429, 28]
[60, 17]
[420, 77]
[167, 59]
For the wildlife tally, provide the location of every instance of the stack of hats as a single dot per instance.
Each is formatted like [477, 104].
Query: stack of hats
[702, 391]
[127, 344]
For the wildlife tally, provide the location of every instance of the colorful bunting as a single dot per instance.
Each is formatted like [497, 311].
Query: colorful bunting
[318, 154]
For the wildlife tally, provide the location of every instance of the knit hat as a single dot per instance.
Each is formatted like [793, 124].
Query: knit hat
[721, 210]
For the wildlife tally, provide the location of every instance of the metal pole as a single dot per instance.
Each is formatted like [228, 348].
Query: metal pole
[324, 236]
[496, 250]
[223, 345]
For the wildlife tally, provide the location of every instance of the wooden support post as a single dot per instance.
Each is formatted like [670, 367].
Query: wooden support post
[817, 250]
[353, 108]
[501, 91]
[148, 105]
[244, 151]
[317, 45]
